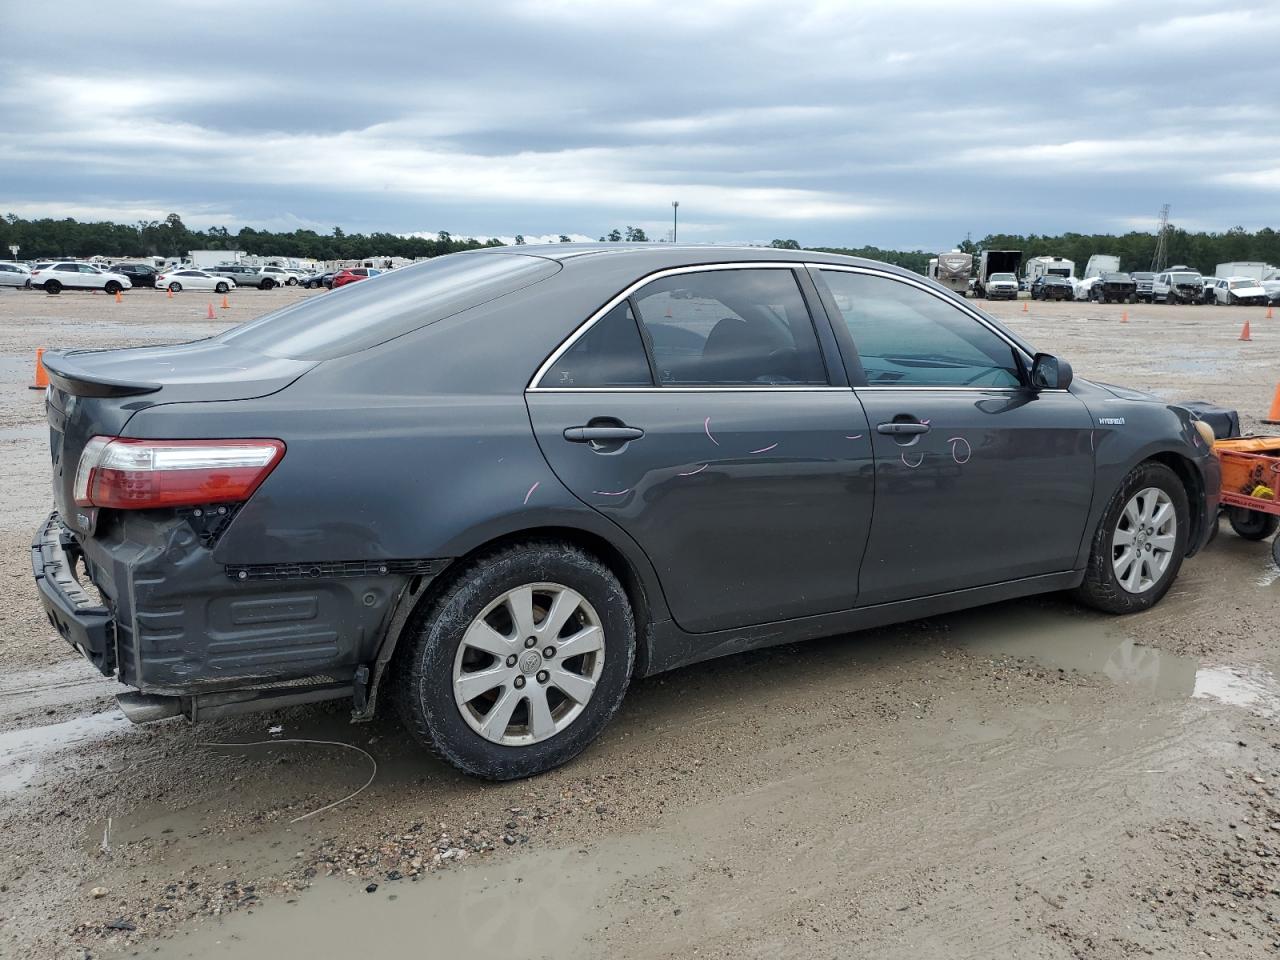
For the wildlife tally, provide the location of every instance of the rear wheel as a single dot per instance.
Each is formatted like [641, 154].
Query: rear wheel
[220, 288]
[1252, 524]
[52, 286]
[268, 284]
[1139, 544]
[520, 662]
[175, 287]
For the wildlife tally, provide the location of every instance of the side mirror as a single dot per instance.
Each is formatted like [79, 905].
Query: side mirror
[1049, 373]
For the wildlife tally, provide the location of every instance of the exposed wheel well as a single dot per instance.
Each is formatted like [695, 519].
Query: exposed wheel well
[593, 544]
[1192, 483]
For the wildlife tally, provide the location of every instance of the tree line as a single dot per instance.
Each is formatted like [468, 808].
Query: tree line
[172, 238]
[1200, 251]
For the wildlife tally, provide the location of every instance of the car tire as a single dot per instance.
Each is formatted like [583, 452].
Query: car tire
[112, 287]
[175, 287]
[52, 286]
[1103, 588]
[293, 281]
[220, 288]
[267, 284]
[433, 660]
[1252, 524]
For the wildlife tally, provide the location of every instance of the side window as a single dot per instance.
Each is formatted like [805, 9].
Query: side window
[730, 327]
[66, 267]
[908, 337]
[610, 354]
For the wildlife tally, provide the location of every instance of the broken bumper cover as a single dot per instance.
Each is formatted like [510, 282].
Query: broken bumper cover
[79, 619]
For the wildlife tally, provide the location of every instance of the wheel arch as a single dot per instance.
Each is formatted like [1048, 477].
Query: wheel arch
[418, 597]
[1193, 484]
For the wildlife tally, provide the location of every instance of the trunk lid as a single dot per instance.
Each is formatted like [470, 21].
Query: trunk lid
[96, 392]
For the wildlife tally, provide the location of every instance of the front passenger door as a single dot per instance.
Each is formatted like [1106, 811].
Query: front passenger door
[979, 479]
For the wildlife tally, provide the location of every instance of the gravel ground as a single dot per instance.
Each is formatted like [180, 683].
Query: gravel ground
[1027, 779]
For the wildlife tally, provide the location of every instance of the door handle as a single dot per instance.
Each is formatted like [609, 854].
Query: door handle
[901, 429]
[602, 434]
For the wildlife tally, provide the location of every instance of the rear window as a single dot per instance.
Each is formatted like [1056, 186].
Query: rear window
[362, 315]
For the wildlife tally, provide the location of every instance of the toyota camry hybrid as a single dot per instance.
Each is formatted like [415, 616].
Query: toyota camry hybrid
[495, 487]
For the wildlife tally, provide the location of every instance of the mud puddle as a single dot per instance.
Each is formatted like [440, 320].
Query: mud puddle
[1096, 645]
[23, 752]
[544, 904]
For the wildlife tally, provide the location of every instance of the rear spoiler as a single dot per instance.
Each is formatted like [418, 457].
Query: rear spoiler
[67, 377]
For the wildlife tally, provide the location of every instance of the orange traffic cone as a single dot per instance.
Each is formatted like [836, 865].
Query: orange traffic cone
[1124, 316]
[170, 291]
[210, 316]
[1024, 306]
[119, 299]
[1269, 313]
[1274, 415]
[42, 376]
[225, 305]
[1244, 331]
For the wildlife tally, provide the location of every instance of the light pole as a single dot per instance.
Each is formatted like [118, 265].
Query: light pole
[675, 220]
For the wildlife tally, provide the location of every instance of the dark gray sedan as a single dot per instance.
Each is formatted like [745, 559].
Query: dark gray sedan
[497, 486]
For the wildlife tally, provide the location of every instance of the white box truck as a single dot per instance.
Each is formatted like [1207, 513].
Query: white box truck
[1099, 264]
[1253, 269]
[997, 261]
[952, 270]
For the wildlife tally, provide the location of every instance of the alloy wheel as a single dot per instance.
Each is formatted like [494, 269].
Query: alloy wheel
[528, 664]
[1145, 537]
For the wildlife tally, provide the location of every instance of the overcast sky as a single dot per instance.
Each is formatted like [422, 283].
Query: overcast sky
[901, 124]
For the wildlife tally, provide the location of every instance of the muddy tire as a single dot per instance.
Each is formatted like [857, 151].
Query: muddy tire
[1111, 586]
[473, 634]
[1252, 524]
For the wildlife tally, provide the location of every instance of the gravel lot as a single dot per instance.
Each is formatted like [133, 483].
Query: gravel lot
[1028, 779]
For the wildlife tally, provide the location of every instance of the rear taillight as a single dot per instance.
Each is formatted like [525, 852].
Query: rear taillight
[126, 474]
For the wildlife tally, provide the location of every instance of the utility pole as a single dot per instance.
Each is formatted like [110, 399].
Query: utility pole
[675, 220]
[1158, 262]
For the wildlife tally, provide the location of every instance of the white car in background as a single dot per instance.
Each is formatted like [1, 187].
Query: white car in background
[68, 275]
[14, 275]
[1084, 286]
[282, 276]
[1235, 291]
[191, 279]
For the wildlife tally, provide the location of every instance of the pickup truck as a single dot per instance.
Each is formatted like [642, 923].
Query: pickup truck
[1177, 286]
[1114, 288]
[1049, 287]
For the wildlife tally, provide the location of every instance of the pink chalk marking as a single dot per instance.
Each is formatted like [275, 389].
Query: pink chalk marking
[763, 449]
[530, 493]
[968, 450]
[612, 493]
[692, 472]
[706, 425]
[908, 463]
[856, 436]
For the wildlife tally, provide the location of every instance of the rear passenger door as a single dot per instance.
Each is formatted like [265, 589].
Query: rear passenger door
[706, 414]
[979, 480]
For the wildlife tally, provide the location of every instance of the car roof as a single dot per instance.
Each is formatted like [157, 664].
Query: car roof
[657, 255]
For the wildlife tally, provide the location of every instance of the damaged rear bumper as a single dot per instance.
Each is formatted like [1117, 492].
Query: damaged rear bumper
[194, 637]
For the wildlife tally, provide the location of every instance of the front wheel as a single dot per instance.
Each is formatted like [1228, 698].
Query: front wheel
[1252, 524]
[520, 662]
[113, 288]
[1139, 544]
[220, 288]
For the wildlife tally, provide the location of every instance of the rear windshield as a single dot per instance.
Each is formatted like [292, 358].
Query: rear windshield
[361, 315]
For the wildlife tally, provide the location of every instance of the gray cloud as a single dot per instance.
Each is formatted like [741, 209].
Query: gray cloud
[909, 124]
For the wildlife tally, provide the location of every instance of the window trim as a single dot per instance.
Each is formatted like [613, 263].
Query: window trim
[964, 308]
[795, 268]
